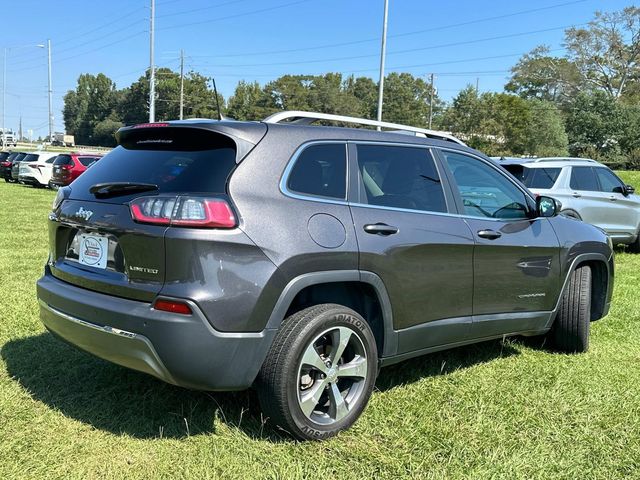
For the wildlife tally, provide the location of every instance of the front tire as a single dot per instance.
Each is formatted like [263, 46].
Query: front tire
[570, 330]
[319, 373]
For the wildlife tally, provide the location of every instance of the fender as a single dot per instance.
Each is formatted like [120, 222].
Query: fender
[300, 282]
[585, 257]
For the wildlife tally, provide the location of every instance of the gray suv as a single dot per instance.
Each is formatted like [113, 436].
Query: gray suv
[220, 255]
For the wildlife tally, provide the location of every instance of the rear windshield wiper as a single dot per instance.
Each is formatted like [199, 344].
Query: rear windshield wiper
[113, 189]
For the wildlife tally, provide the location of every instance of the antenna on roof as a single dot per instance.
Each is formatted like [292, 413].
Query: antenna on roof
[215, 91]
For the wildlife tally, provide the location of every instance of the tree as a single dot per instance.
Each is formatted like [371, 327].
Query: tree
[406, 100]
[541, 76]
[92, 102]
[247, 102]
[606, 52]
[545, 134]
[104, 132]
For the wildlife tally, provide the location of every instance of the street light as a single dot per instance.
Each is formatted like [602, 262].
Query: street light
[4, 80]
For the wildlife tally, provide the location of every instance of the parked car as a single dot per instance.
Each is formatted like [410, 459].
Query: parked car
[7, 166]
[588, 191]
[35, 168]
[69, 166]
[217, 255]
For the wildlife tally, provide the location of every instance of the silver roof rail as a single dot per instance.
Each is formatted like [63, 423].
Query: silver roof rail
[564, 159]
[306, 118]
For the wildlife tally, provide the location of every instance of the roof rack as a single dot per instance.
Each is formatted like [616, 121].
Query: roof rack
[306, 118]
[564, 159]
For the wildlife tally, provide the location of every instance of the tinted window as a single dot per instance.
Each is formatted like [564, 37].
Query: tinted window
[175, 161]
[583, 178]
[32, 157]
[608, 181]
[3, 156]
[515, 170]
[540, 177]
[19, 157]
[86, 161]
[400, 177]
[63, 160]
[484, 191]
[320, 170]
[50, 160]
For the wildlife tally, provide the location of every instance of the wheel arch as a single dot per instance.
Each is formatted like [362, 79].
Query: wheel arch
[601, 283]
[361, 291]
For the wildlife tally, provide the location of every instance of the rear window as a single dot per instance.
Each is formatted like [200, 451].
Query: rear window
[86, 161]
[63, 160]
[175, 159]
[540, 177]
[321, 170]
[3, 156]
[32, 157]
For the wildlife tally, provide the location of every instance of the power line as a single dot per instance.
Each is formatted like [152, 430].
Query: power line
[184, 12]
[228, 17]
[396, 52]
[376, 39]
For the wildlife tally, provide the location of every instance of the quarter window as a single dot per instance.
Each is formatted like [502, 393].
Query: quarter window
[583, 178]
[540, 177]
[400, 177]
[608, 181]
[320, 170]
[484, 191]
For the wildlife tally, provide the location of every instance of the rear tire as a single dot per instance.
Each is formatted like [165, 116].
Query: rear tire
[570, 330]
[319, 373]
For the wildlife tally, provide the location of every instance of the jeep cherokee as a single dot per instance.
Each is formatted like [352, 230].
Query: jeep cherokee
[298, 259]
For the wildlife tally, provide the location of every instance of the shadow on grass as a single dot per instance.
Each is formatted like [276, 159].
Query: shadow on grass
[122, 401]
[443, 363]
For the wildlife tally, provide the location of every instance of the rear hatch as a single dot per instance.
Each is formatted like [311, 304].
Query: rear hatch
[28, 165]
[95, 243]
[62, 166]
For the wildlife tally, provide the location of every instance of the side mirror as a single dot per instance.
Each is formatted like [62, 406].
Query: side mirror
[629, 190]
[547, 206]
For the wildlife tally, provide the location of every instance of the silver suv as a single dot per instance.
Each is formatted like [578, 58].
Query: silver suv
[587, 190]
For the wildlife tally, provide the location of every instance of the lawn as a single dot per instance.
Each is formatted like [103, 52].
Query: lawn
[506, 409]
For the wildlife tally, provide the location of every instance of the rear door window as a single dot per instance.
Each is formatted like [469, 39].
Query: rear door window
[400, 177]
[540, 177]
[176, 160]
[320, 170]
[608, 181]
[584, 178]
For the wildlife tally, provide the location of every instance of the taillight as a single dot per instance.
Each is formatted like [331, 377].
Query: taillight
[172, 306]
[6, 164]
[183, 212]
[65, 167]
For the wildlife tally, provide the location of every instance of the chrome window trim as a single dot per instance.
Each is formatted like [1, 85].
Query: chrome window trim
[315, 198]
[286, 192]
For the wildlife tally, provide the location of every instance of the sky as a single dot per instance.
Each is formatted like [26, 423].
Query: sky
[460, 41]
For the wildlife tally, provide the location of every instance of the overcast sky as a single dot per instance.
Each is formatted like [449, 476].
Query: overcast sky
[461, 41]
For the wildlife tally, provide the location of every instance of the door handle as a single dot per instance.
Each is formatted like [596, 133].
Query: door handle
[576, 195]
[489, 234]
[613, 198]
[380, 229]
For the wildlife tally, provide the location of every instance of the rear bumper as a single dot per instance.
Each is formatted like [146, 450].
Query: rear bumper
[182, 350]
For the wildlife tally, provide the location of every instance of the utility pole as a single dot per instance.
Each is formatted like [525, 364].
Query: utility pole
[383, 54]
[477, 85]
[431, 98]
[152, 68]
[4, 89]
[181, 83]
[50, 93]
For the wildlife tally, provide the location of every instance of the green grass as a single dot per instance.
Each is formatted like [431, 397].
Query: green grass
[496, 410]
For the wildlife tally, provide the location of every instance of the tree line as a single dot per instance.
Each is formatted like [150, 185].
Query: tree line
[584, 103]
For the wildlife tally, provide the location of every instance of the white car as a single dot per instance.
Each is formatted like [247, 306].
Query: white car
[587, 190]
[36, 168]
